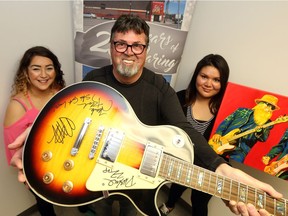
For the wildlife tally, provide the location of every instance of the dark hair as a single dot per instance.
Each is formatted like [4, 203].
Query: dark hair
[21, 81]
[218, 62]
[128, 22]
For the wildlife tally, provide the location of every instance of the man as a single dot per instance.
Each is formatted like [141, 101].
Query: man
[155, 103]
[243, 120]
[280, 150]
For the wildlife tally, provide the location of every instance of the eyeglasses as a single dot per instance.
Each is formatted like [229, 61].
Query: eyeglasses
[268, 105]
[122, 47]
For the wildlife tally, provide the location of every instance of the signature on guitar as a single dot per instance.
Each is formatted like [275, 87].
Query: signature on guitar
[118, 179]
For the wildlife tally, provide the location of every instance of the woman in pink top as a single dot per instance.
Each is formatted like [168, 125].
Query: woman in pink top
[38, 78]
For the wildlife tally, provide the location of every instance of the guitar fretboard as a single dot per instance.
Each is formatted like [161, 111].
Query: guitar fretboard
[184, 173]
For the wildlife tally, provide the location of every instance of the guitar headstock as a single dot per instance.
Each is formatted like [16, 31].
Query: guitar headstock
[282, 119]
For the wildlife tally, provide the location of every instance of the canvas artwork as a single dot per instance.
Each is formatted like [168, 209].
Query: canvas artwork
[252, 128]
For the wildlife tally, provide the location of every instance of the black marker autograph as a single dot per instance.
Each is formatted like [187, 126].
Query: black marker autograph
[62, 128]
[90, 102]
[97, 106]
[117, 179]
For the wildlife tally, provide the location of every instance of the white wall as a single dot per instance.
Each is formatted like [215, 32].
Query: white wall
[25, 24]
[251, 35]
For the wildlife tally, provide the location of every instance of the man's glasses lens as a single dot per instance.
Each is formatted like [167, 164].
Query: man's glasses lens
[121, 47]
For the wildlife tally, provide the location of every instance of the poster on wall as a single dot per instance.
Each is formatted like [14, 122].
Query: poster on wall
[251, 127]
[169, 22]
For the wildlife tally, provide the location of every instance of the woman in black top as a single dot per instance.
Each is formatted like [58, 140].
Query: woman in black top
[200, 103]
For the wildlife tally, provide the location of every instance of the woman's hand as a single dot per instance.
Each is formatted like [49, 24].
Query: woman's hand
[16, 160]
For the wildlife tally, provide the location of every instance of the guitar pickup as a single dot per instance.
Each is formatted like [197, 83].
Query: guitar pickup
[151, 160]
[112, 145]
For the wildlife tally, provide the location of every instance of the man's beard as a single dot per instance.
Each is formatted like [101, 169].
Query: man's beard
[261, 116]
[127, 71]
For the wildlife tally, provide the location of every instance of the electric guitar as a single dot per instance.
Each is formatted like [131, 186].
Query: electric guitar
[87, 144]
[227, 142]
[276, 168]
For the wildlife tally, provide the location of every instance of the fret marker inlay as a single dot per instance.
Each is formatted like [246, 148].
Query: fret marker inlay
[179, 171]
[200, 178]
[219, 186]
[260, 201]
[171, 164]
[242, 194]
[188, 179]
[280, 208]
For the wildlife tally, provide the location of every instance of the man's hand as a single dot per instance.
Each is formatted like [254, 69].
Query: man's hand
[240, 176]
[16, 160]
[216, 138]
[246, 210]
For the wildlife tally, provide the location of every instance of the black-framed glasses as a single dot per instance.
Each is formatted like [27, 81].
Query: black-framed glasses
[136, 48]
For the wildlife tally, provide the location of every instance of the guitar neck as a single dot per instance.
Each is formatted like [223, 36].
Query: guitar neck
[237, 136]
[192, 176]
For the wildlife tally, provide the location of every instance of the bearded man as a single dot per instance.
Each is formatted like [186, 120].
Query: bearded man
[280, 151]
[244, 119]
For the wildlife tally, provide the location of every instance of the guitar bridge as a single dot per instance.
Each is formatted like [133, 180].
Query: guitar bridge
[96, 142]
[151, 160]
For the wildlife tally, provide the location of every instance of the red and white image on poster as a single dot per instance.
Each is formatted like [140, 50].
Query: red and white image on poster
[251, 127]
